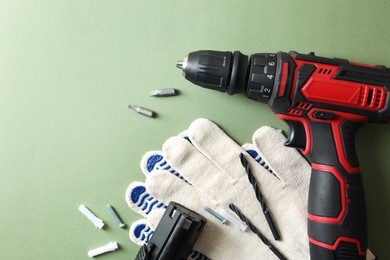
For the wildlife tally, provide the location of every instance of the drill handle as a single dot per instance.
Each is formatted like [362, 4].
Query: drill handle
[337, 211]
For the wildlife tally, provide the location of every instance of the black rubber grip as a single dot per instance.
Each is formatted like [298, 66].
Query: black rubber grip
[337, 212]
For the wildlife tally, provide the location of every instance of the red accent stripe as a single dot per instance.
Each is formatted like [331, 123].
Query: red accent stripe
[283, 79]
[361, 64]
[307, 149]
[337, 242]
[343, 194]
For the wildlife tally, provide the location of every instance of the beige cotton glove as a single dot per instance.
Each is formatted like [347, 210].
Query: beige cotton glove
[211, 175]
[211, 164]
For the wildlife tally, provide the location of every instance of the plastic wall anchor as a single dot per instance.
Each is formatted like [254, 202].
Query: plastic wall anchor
[110, 247]
[238, 223]
[95, 220]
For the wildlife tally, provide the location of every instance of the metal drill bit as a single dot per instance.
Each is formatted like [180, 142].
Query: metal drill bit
[182, 65]
[259, 197]
[179, 64]
[164, 92]
[255, 230]
[142, 111]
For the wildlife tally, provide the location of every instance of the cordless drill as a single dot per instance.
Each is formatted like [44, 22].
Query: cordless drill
[324, 101]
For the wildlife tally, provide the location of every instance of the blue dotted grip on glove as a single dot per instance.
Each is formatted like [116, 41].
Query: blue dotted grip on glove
[143, 200]
[255, 155]
[143, 232]
[156, 161]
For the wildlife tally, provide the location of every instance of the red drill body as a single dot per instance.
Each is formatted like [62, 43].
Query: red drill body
[324, 101]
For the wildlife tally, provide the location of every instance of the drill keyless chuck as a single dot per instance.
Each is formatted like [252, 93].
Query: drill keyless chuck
[231, 72]
[209, 69]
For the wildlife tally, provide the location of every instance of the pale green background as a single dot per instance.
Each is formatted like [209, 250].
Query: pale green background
[68, 70]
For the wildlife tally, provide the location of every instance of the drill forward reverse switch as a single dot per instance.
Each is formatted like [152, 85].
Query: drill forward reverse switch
[324, 101]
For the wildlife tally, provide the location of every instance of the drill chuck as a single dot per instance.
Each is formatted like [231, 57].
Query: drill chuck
[232, 72]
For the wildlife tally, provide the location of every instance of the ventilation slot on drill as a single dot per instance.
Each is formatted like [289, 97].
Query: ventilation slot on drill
[324, 71]
[378, 98]
[294, 112]
[369, 97]
[373, 97]
[303, 105]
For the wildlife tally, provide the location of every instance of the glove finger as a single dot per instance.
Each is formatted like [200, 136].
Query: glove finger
[140, 232]
[252, 150]
[288, 164]
[140, 201]
[155, 161]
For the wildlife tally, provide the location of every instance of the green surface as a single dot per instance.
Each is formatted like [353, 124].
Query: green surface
[68, 70]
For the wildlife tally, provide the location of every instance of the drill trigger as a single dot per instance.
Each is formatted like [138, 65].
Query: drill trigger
[297, 135]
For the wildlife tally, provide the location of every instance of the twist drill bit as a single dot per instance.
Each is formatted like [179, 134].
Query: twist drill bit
[255, 230]
[259, 197]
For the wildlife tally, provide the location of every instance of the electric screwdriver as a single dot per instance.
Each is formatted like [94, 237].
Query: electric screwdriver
[324, 101]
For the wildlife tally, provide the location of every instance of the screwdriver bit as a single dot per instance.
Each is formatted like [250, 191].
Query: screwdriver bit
[165, 92]
[142, 111]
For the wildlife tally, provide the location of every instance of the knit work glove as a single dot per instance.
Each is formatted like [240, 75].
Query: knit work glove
[207, 172]
[211, 164]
